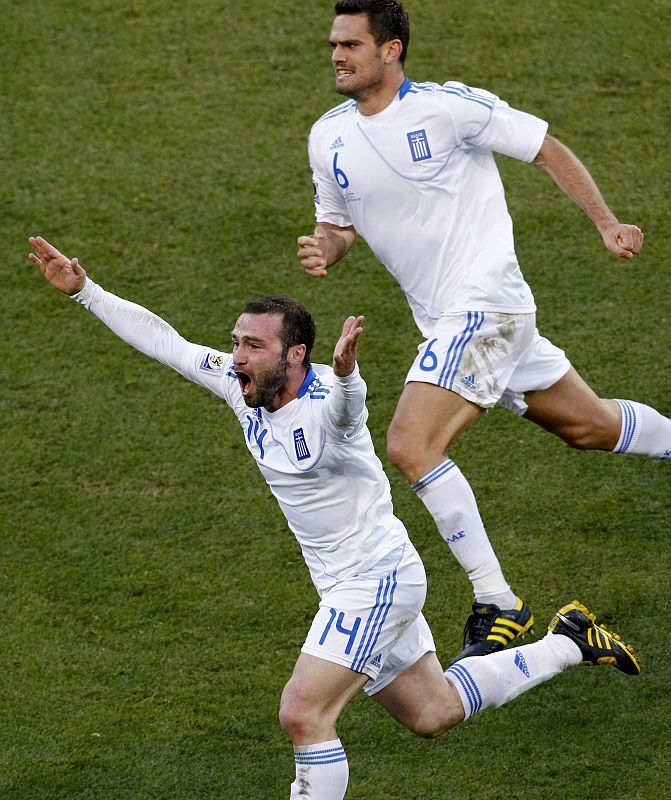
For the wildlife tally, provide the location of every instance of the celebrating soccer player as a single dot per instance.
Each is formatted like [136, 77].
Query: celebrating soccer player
[410, 167]
[305, 426]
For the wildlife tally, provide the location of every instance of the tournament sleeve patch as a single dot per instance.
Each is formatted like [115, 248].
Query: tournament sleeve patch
[212, 362]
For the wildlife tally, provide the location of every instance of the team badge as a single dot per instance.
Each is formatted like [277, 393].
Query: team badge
[419, 145]
[212, 362]
[302, 451]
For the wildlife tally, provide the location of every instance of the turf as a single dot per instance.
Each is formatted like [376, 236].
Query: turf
[152, 602]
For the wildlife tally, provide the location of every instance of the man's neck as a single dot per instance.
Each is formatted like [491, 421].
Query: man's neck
[382, 98]
[290, 390]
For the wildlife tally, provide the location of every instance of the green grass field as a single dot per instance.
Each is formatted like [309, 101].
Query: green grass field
[152, 601]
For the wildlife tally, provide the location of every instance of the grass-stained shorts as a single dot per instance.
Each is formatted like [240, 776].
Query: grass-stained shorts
[489, 358]
[373, 622]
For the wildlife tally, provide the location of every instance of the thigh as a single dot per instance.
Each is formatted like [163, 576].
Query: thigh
[571, 404]
[321, 687]
[427, 420]
[422, 699]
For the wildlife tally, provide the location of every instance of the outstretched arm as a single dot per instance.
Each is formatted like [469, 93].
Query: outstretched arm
[575, 181]
[328, 244]
[140, 328]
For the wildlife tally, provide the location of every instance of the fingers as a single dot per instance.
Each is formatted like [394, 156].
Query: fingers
[630, 238]
[625, 241]
[311, 253]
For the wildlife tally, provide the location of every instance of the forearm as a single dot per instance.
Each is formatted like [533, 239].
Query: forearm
[347, 401]
[138, 327]
[340, 241]
[574, 180]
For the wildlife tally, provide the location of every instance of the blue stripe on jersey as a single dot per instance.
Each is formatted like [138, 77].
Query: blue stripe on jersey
[462, 676]
[309, 378]
[330, 755]
[375, 622]
[410, 178]
[456, 349]
[468, 94]
[433, 475]
[628, 425]
[337, 111]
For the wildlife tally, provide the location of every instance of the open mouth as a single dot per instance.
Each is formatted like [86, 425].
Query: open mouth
[244, 380]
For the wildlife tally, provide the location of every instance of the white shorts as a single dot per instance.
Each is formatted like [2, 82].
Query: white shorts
[373, 622]
[489, 358]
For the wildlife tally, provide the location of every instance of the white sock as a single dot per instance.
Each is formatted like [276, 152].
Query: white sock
[322, 771]
[492, 680]
[645, 432]
[451, 502]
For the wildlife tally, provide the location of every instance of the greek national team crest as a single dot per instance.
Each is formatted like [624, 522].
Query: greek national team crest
[419, 145]
[302, 451]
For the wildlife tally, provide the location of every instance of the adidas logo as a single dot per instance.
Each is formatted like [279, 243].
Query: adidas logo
[338, 143]
[469, 382]
[521, 664]
[377, 661]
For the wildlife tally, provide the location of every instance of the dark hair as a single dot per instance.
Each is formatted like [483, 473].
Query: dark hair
[387, 20]
[298, 327]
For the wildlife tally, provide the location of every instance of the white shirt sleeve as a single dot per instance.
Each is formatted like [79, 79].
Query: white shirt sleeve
[329, 203]
[345, 406]
[153, 336]
[512, 132]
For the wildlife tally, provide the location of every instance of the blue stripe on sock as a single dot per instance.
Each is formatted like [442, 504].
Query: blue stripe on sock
[468, 684]
[331, 755]
[433, 475]
[628, 425]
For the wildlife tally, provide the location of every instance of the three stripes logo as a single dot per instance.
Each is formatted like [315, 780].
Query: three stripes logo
[521, 664]
[337, 143]
[469, 382]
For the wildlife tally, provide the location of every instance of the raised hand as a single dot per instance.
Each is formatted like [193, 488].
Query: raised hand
[344, 355]
[65, 274]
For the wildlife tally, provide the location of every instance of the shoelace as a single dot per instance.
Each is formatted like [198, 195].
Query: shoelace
[477, 627]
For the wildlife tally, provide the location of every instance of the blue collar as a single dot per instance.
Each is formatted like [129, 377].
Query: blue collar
[311, 376]
[407, 83]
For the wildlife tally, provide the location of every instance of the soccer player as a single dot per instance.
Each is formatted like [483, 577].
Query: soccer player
[305, 425]
[410, 167]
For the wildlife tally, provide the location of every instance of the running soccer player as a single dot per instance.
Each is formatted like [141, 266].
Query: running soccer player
[305, 426]
[410, 167]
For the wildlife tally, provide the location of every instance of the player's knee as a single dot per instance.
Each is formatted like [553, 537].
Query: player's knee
[295, 719]
[403, 454]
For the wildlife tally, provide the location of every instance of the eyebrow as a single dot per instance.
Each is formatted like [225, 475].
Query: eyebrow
[334, 42]
[246, 338]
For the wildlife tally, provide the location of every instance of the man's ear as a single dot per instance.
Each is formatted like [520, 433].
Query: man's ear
[296, 355]
[393, 51]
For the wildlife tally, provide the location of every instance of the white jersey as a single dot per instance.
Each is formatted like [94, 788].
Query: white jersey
[419, 182]
[315, 452]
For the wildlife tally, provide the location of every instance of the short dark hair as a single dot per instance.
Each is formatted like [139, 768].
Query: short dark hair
[387, 19]
[298, 327]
